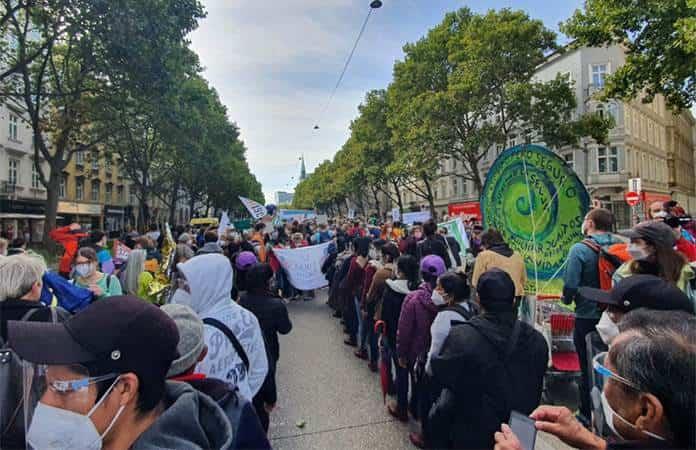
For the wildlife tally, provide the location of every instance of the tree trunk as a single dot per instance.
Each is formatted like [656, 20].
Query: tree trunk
[144, 221]
[399, 199]
[431, 199]
[475, 175]
[51, 208]
[172, 209]
[375, 194]
[192, 204]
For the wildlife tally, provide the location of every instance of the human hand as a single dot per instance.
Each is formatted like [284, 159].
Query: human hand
[561, 422]
[96, 290]
[403, 362]
[505, 439]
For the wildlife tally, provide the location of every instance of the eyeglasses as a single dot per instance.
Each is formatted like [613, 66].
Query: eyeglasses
[604, 371]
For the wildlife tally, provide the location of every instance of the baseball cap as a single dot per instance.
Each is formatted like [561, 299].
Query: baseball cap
[496, 290]
[245, 260]
[641, 291]
[433, 265]
[191, 337]
[657, 233]
[118, 334]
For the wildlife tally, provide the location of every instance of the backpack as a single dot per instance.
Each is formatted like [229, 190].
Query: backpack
[232, 338]
[609, 258]
[462, 311]
[11, 395]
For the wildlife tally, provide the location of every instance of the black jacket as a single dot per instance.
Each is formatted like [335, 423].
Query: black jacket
[395, 292]
[273, 319]
[484, 387]
[434, 245]
[12, 309]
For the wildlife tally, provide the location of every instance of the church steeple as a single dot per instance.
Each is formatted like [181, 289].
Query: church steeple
[303, 170]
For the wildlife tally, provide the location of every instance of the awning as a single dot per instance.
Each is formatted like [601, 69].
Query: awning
[22, 216]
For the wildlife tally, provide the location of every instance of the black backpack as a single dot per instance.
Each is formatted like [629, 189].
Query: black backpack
[11, 395]
[467, 314]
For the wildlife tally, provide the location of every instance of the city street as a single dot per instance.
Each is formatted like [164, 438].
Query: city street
[323, 386]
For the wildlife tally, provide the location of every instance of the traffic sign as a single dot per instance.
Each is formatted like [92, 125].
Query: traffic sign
[632, 198]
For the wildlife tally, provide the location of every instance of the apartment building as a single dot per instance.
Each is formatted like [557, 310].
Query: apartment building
[648, 142]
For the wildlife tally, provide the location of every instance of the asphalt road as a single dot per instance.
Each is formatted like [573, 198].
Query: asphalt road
[327, 398]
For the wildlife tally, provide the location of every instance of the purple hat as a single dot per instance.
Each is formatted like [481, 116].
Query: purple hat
[245, 260]
[433, 264]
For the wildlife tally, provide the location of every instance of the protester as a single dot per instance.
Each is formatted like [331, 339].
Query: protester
[153, 233]
[352, 288]
[138, 279]
[242, 263]
[652, 250]
[273, 319]
[69, 237]
[410, 244]
[649, 396]
[475, 239]
[106, 262]
[124, 347]
[488, 366]
[18, 246]
[259, 242]
[368, 337]
[496, 253]
[210, 244]
[451, 296]
[150, 246]
[453, 247]
[582, 270]
[407, 281]
[433, 244]
[373, 301]
[207, 284]
[88, 276]
[682, 237]
[185, 239]
[246, 427]
[656, 210]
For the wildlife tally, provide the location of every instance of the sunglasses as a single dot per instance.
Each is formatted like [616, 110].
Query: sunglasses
[607, 373]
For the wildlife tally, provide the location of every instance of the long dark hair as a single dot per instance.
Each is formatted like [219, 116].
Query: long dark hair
[455, 284]
[667, 264]
[408, 266]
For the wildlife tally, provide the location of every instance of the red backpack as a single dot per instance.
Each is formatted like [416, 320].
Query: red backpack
[609, 258]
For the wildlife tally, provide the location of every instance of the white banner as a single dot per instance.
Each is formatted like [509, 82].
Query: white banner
[257, 210]
[303, 265]
[224, 225]
[396, 214]
[413, 217]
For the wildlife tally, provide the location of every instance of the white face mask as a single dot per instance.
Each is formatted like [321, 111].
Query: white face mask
[607, 329]
[55, 428]
[83, 270]
[637, 253]
[437, 298]
[610, 414]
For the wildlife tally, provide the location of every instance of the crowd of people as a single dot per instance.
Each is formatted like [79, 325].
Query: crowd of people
[111, 360]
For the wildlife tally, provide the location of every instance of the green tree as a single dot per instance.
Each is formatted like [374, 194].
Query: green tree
[660, 41]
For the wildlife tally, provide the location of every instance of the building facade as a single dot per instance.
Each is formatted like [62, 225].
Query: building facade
[648, 142]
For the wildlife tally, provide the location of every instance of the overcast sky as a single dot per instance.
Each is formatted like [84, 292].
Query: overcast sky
[274, 64]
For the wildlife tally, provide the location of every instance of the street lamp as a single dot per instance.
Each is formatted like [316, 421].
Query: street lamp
[376, 4]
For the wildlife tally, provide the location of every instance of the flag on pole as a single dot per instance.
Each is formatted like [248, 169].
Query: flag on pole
[224, 224]
[256, 209]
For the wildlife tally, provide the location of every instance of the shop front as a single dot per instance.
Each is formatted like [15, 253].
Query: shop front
[22, 218]
[89, 215]
[466, 210]
[114, 219]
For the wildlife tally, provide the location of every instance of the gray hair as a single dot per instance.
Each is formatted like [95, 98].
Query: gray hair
[184, 238]
[18, 274]
[658, 354]
[183, 251]
[134, 267]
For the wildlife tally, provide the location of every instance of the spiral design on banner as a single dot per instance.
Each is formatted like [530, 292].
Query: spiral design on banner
[538, 204]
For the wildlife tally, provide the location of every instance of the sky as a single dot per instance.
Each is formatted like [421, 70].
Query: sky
[275, 63]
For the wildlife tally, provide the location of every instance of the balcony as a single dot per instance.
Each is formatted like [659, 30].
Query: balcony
[608, 179]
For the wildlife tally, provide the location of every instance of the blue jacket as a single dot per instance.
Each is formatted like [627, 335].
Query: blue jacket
[581, 271]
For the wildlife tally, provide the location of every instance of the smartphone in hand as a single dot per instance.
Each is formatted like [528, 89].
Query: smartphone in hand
[524, 429]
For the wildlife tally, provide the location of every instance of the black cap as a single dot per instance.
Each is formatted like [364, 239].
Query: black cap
[118, 334]
[496, 290]
[641, 291]
[656, 233]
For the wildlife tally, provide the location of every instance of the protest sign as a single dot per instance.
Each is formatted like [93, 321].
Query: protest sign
[290, 215]
[257, 210]
[396, 214]
[303, 265]
[224, 225]
[413, 217]
[322, 219]
[538, 203]
[121, 251]
[455, 228]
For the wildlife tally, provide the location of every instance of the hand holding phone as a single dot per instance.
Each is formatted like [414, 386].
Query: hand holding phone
[524, 429]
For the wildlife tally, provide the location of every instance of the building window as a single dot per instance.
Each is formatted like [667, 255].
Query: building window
[512, 141]
[599, 74]
[35, 179]
[119, 193]
[13, 172]
[607, 160]
[109, 165]
[465, 187]
[436, 194]
[14, 121]
[455, 187]
[569, 159]
[79, 189]
[95, 191]
[108, 192]
[61, 187]
[131, 196]
[80, 158]
[95, 161]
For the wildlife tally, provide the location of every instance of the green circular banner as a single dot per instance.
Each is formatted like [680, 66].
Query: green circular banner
[538, 204]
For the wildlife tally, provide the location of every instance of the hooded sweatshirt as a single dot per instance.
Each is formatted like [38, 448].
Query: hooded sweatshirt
[192, 420]
[417, 315]
[210, 280]
[504, 258]
[393, 298]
